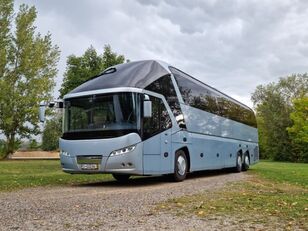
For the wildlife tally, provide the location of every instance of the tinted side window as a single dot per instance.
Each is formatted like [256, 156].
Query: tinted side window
[165, 87]
[234, 111]
[250, 118]
[199, 96]
[194, 94]
[159, 121]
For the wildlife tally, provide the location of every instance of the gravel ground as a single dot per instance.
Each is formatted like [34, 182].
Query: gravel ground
[112, 206]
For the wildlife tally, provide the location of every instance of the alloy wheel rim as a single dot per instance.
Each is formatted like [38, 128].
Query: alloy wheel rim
[181, 164]
[239, 160]
[246, 160]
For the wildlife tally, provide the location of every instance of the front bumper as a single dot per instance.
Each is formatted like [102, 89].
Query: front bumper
[128, 163]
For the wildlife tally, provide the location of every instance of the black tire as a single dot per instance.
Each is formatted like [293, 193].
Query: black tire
[238, 167]
[180, 166]
[123, 178]
[246, 162]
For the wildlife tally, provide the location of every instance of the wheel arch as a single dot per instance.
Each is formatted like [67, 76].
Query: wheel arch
[240, 152]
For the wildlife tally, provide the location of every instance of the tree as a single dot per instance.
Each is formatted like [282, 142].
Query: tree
[273, 104]
[299, 130]
[81, 68]
[27, 69]
[51, 134]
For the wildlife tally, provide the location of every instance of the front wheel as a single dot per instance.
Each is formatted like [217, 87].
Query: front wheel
[180, 166]
[123, 178]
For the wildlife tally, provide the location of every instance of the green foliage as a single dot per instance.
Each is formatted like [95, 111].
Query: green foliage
[299, 130]
[81, 68]
[51, 134]
[33, 145]
[17, 174]
[274, 104]
[2, 148]
[27, 69]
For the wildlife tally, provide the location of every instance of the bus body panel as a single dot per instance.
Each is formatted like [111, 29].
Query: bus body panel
[203, 122]
[211, 152]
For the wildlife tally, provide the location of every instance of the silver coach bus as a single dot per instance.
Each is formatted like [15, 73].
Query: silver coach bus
[149, 118]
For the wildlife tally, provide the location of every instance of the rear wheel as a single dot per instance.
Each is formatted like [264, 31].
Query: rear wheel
[121, 177]
[238, 167]
[180, 166]
[246, 163]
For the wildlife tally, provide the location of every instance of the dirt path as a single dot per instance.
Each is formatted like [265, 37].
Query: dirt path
[23, 155]
[110, 206]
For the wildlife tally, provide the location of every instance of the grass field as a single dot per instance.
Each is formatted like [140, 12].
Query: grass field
[17, 174]
[292, 173]
[276, 196]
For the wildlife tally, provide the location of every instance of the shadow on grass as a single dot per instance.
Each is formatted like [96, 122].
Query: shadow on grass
[143, 181]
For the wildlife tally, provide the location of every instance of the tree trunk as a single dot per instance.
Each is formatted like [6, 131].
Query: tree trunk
[10, 143]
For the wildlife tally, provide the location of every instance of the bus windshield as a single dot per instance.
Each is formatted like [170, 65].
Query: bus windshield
[106, 112]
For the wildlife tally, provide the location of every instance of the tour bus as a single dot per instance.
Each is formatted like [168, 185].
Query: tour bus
[150, 118]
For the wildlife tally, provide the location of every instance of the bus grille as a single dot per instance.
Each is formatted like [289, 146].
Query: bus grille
[89, 159]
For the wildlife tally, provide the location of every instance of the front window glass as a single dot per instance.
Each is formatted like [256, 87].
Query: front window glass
[108, 112]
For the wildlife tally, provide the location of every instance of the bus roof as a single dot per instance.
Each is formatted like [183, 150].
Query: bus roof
[138, 74]
[133, 74]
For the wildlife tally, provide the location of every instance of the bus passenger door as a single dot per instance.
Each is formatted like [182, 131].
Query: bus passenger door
[157, 139]
[152, 155]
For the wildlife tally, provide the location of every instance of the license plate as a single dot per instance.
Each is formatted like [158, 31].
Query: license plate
[89, 166]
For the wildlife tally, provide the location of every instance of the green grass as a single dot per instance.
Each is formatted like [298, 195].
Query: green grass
[17, 174]
[275, 195]
[292, 173]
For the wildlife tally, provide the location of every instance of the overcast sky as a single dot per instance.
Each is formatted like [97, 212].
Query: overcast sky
[231, 45]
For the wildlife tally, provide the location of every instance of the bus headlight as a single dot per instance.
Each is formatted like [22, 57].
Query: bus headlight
[64, 153]
[123, 150]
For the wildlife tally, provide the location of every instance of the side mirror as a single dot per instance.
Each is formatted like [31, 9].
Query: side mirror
[42, 112]
[56, 104]
[147, 109]
[43, 105]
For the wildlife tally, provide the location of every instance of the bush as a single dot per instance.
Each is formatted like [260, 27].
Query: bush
[3, 147]
[51, 134]
[33, 145]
